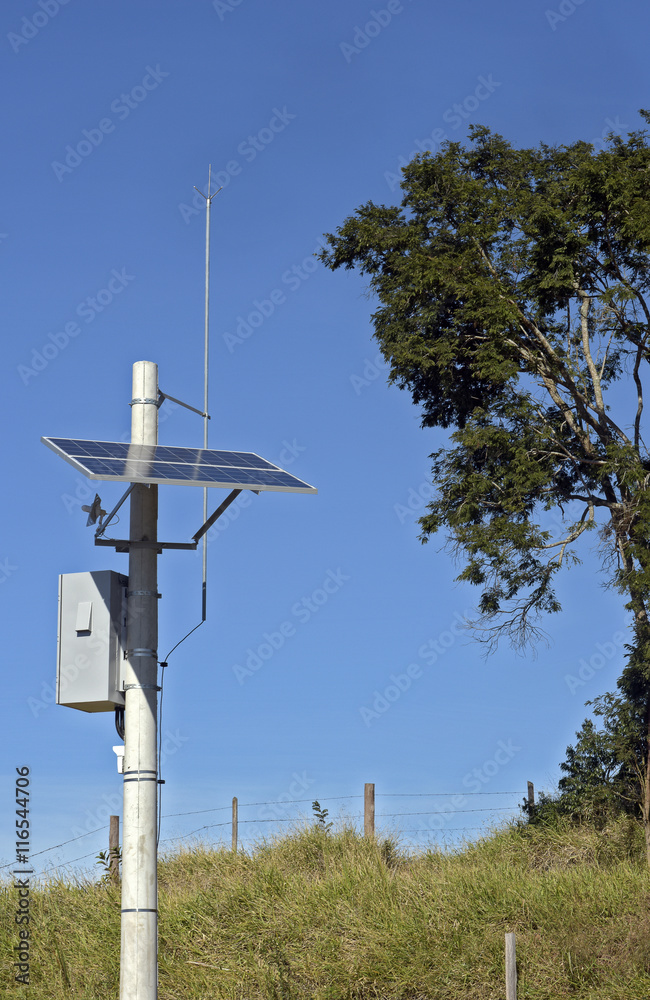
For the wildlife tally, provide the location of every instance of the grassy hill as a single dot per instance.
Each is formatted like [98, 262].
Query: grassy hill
[337, 917]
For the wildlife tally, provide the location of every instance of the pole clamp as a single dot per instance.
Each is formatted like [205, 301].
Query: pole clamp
[142, 687]
[144, 399]
[141, 652]
[143, 593]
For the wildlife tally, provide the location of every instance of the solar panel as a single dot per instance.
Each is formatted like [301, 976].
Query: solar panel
[115, 461]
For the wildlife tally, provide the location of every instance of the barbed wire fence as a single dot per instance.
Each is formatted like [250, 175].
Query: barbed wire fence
[437, 827]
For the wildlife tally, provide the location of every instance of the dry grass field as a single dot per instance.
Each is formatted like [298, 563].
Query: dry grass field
[317, 916]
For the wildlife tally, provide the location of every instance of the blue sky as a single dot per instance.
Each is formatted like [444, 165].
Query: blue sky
[305, 110]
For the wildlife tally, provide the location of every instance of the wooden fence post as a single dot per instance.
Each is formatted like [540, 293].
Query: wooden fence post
[114, 848]
[235, 823]
[511, 968]
[369, 809]
[531, 795]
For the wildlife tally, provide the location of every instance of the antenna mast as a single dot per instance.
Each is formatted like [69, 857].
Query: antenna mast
[206, 353]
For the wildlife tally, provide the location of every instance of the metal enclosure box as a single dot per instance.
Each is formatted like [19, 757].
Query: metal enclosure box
[91, 640]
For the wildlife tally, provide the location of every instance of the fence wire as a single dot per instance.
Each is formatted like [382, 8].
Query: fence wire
[297, 819]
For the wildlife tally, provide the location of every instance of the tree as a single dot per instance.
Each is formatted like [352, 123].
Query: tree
[604, 772]
[513, 304]
[607, 765]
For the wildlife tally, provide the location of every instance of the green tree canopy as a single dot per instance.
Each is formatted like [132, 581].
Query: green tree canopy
[513, 304]
[513, 293]
[604, 772]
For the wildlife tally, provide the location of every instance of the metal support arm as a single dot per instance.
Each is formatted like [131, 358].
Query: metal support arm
[125, 544]
[102, 529]
[162, 396]
[213, 517]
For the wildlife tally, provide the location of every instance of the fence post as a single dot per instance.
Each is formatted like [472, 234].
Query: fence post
[511, 968]
[531, 795]
[369, 809]
[235, 822]
[114, 848]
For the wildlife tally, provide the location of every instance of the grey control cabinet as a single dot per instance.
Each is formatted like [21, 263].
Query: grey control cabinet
[91, 640]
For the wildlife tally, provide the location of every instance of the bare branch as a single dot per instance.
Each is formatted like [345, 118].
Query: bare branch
[586, 521]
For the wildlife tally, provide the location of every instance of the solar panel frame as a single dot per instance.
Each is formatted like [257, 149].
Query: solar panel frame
[117, 461]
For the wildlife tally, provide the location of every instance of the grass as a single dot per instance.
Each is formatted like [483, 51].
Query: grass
[337, 917]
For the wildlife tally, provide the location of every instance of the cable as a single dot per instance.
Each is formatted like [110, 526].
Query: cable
[452, 829]
[283, 819]
[298, 819]
[271, 802]
[47, 849]
[196, 812]
[415, 795]
[65, 864]
[119, 721]
[445, 812]
[163, 664]
[183, 639]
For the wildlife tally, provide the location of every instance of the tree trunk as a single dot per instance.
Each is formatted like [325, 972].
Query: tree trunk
[645, 803]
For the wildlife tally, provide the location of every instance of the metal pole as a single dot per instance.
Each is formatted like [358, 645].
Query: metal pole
[139, 947]
[235, 823]
[208, 203]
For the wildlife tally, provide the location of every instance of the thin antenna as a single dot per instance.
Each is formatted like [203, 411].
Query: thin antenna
[206, 353]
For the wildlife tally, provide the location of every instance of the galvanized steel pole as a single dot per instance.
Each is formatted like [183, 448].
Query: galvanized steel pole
[139, 945]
